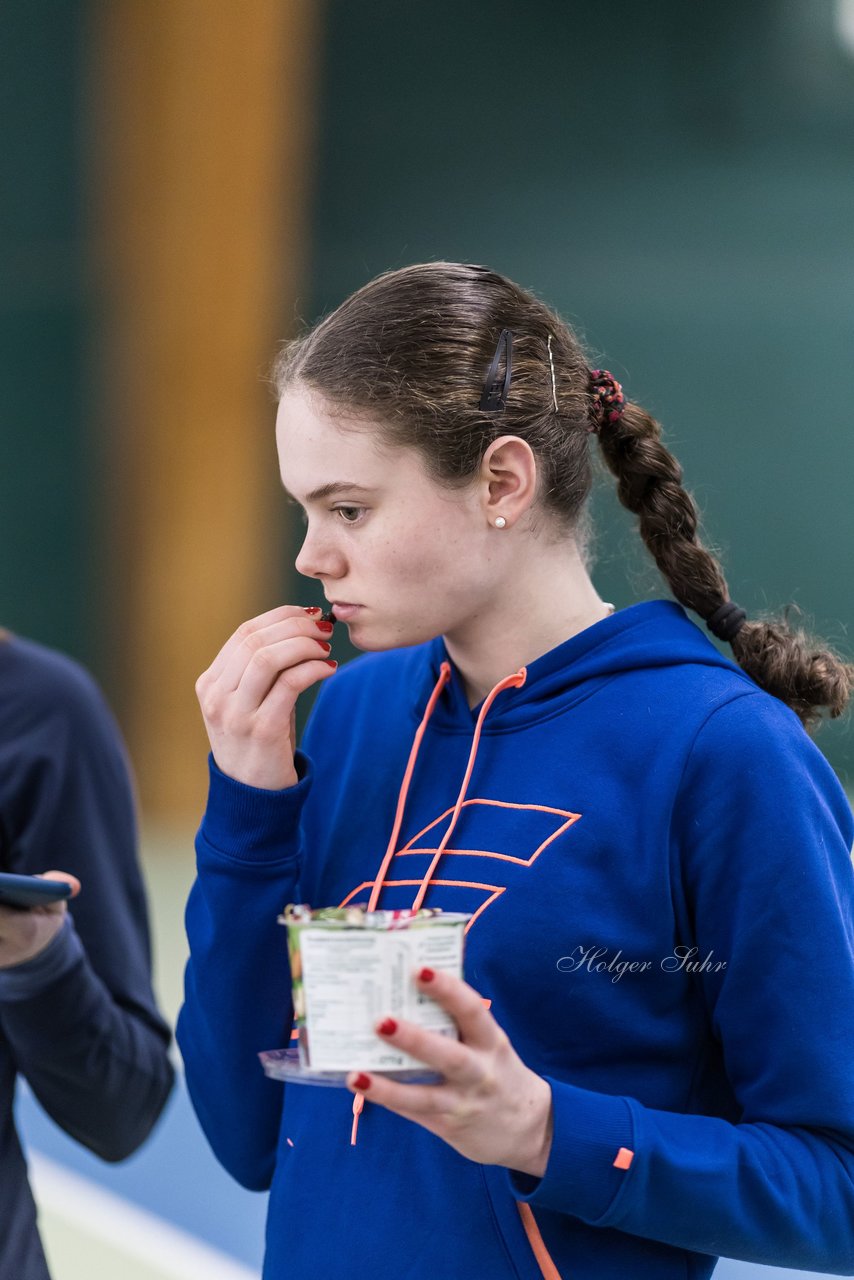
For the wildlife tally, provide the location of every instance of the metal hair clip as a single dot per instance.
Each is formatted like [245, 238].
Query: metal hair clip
[495, 388]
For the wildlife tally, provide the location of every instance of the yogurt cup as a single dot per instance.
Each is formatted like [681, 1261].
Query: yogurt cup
[351, 967]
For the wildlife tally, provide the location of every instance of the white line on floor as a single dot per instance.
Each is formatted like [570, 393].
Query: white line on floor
[173, 1253]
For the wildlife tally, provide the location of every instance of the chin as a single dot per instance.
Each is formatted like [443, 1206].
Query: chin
[403, 638]
[378, 645]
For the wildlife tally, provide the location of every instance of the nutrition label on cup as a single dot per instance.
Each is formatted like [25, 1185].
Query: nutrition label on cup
[354, 977]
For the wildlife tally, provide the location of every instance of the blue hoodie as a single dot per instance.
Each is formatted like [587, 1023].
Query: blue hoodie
[657, 859]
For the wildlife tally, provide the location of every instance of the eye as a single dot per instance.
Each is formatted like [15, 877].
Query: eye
[344, 513]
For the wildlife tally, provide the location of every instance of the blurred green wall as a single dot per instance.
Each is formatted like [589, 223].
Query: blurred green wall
[678, 180]
[47, 451]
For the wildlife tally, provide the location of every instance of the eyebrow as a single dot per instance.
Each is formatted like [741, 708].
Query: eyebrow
[328, 490]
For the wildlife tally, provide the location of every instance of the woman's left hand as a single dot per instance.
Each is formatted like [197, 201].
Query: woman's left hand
[491, 1107]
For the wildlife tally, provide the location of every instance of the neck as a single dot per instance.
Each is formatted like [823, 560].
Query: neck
[528, 616]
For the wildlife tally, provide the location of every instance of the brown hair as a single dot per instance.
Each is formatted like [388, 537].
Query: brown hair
[408, 353]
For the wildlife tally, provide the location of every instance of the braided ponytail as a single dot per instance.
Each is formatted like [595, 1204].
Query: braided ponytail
[787, 662]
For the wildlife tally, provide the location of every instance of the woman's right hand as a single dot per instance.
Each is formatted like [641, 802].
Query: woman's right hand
[26, 933]
[248, 694]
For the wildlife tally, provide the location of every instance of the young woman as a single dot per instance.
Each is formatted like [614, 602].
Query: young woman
[657, 1027]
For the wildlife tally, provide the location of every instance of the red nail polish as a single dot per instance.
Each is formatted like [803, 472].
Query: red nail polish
[326, 627]
[387, 1027]
[426, 975]
[327, 648]
[330, 662]
[315, 608]
[362, 1082]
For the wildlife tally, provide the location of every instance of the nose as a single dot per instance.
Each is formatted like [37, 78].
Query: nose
[318, 557]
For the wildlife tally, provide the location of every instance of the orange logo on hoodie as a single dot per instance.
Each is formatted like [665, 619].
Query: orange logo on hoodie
[560, 820]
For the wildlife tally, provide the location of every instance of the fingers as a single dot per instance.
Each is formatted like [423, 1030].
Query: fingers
[254, 651]
[64, 876]
[452, 1059]
[248, 694]
[467, 1079]
[58, 908]
[24, 934]
[413, 1101]
[275, 661]
[251, 647]
[278, 707]
[249, 628]
[488, 1105]
[252, 660]
[477, 1025]
[464, 1064]
[460, 1062]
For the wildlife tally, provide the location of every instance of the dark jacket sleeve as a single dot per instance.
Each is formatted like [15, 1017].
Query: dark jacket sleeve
[80, 1020]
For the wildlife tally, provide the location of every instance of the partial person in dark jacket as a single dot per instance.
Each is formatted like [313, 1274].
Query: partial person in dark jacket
[78, 1018]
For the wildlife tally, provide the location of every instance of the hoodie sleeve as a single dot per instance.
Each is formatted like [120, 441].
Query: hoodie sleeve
[80, 1019]
[237, 991]
[762, 836]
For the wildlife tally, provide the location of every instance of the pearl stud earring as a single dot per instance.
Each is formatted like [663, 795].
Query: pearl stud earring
[500, 522]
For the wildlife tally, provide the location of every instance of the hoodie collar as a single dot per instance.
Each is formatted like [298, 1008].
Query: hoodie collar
[654, 633]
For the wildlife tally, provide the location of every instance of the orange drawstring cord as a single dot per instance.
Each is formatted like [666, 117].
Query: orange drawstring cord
[444, 677]
[514, 681]
[358, 1104]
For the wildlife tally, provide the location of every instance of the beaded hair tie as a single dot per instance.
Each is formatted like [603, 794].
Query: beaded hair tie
[608, 398]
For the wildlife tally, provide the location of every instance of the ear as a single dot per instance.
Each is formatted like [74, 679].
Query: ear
[508, 473]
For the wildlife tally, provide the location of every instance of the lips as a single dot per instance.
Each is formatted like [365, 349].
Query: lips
[344, 611]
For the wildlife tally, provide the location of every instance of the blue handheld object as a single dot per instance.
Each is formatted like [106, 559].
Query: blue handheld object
[30, 891]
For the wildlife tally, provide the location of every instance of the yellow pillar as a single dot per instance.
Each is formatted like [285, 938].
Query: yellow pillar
[201, 116]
